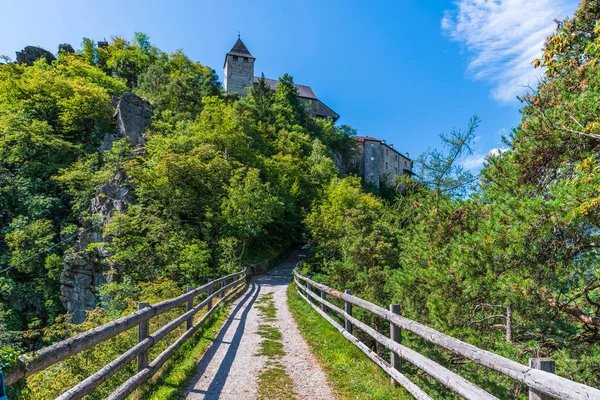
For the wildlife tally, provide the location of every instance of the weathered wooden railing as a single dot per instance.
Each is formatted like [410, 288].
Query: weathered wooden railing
[541, 383]
[69, 347]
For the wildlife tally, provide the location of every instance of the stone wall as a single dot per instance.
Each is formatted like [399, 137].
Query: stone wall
[376, 162]
[372, 162]
[392, 164]
[238, 75]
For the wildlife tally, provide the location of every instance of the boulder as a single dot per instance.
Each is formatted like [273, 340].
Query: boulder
[133, 116]
[65, 47]
[31, 54]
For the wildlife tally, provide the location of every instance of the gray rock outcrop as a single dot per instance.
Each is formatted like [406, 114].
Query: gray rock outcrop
[31, 54]
[65, 47]
[133, 116]
[88, 266]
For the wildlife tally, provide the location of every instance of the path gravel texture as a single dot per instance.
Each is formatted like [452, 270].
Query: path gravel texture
[230, 368]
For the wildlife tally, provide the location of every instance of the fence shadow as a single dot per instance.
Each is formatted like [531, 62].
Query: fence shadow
[218, 382]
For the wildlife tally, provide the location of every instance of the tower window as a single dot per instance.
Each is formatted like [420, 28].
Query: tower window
[235, 58]
[246, 60]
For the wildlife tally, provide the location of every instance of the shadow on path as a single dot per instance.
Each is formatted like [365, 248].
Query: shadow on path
[216, 386]
[279, 276]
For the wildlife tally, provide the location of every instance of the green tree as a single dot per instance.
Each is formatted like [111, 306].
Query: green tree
[249, 207]
[441, 171]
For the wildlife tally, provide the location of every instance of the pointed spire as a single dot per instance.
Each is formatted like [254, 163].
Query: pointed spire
[240, 49]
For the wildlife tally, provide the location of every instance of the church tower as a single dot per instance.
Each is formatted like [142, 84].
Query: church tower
[238, 69]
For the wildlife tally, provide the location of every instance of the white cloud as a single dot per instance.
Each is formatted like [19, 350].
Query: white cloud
[504, 37]
[475, 162]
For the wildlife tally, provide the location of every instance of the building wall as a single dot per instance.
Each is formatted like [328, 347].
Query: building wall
[237, 75]
[377, 161]
[372, 162]
[393, 164]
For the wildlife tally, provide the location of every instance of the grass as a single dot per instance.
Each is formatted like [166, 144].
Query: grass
[349, 372]
[270, 332]
[266, 307]
[273, 381]
[181, 367]
[271, 346]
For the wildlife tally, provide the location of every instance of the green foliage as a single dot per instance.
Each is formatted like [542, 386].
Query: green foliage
[220, 182]
[349, 372]
[440, 170]
[175, 86]
[525, 239]
[54, 380]
[183, 365]
[250, 205]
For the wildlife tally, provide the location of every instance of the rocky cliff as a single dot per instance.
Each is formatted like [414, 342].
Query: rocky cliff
[88, 266]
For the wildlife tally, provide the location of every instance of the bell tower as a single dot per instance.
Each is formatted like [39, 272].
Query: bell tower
[238, 69]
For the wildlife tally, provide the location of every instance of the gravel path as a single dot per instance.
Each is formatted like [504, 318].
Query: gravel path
[230, 368]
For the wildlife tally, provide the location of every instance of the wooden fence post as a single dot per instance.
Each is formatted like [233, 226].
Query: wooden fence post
[324, 297]
[348, 309]
[396, 336]
[222, 286]
[509, 323]
[190, 304]
[143, 331]
[208, 293]
[544, 364]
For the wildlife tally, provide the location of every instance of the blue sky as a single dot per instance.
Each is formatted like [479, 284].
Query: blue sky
[403, 71]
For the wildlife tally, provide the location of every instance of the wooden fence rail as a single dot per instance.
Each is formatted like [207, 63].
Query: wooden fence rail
[69, 347]
[537, 380]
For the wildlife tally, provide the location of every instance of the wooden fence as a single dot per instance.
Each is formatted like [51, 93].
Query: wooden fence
[227, 286]
[542, 384]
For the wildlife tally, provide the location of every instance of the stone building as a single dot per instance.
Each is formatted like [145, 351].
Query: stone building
[377, 162]
[238, 74]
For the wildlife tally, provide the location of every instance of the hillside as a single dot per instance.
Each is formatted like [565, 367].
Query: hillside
[184, 186]
[127, 174]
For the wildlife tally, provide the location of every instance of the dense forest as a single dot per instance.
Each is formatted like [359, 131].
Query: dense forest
[217, 182]
[507, 260]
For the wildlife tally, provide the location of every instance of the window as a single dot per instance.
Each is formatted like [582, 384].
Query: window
[235, 58]
[246, 60]
[386, 165]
